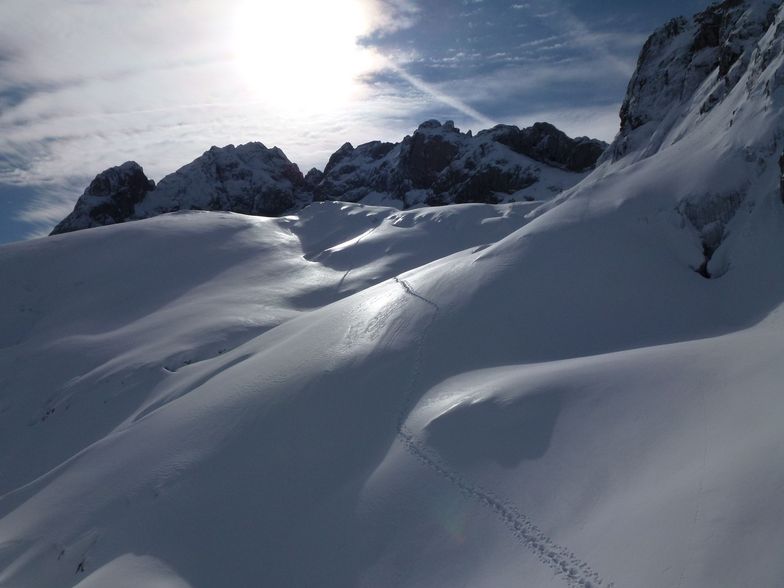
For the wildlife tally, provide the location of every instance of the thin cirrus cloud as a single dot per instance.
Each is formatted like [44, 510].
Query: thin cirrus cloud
[96, 83]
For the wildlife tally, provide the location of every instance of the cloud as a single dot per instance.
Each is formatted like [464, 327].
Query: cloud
[445, 97]
[598, 122]
[513, 87]
[85, 39]
[97, 83]
[390, 16]
[46, 206]
[559, 16]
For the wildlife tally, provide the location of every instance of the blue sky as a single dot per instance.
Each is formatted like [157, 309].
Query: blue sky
[100, 82]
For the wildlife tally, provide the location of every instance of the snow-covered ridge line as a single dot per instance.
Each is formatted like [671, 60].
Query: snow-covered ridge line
[437, 164]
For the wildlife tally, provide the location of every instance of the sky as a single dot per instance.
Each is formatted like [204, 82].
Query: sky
[88, 84]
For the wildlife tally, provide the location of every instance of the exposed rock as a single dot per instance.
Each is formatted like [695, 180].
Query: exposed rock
[543, 142]
[781, 177]
[353, 173]
[678, 59]
[428, 152]
[437, 164]
[710, 215]
[483, 184]
[313, 177]
[249, 179]
[711, 85]
[110, 198]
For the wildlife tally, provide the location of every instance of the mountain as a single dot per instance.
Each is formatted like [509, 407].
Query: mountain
[531, 393]
[109, 199]
[249, 179]
[701, 124]
[436, 165]
[440, 165]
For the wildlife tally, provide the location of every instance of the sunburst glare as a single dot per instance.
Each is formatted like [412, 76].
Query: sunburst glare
[303, 55]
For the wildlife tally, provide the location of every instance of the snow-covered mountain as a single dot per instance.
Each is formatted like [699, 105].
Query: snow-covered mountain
[537, 394]
[440, 165]
[249, 179]
[436, 165]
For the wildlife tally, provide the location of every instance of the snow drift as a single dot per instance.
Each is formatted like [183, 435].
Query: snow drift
[537, 394]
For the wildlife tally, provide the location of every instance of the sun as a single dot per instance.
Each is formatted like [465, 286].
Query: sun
[302, 55]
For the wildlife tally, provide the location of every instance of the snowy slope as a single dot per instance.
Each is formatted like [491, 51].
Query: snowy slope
[467, 422]
[471, 395]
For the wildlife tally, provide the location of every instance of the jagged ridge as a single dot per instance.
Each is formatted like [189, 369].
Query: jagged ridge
[691, 65]
[437, 164]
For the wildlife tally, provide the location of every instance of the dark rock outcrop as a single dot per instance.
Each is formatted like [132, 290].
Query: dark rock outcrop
[543, 142]
[781, 177]
[428, 152]
[438, 164]
[249, 179]
[678, 58]
[710, 215]
[110, 198]
[352, 173]
[435, 165]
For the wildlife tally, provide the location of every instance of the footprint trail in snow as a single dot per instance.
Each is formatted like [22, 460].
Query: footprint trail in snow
[563, 562]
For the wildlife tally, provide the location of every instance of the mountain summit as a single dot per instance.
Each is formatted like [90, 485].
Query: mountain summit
[701, 128]
[436, 165]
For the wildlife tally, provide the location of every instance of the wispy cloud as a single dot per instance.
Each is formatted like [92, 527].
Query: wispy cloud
[561, 17]
[393, 15]
[96, 83]
[444, 97]
[600, 122]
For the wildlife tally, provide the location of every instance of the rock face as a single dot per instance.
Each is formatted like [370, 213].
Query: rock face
[249, 179]
[110, 198]
[702, 116]
[543, 142]
[781, 177]
[679, 58]
[437, 164]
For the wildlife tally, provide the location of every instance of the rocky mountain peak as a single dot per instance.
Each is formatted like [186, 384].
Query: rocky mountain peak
[439, 164]
[436, 164]
[700, 59]
[110, 198]
[544, 142]
[433, 124]
[428, 151]
[345, 151]
[249, 178]
[781, 177]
